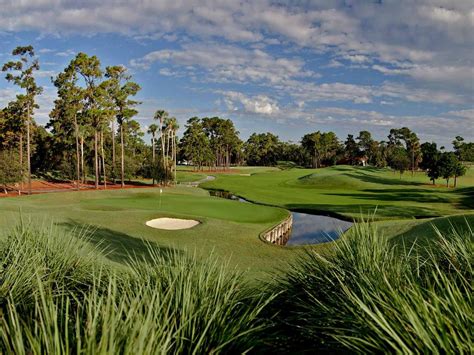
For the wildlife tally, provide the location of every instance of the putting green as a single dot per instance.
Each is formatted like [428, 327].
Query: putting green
[352, 191]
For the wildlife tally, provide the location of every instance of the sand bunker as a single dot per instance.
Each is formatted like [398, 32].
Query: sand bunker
[172, 223]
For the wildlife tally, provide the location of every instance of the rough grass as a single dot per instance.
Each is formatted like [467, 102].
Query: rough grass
[350, 191]
[57, 298]
[368, 296]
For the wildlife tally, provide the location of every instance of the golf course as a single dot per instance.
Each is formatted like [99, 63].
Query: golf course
[236, 177]
[230, 229]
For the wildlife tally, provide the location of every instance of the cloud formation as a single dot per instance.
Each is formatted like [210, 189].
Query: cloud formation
[259, 55]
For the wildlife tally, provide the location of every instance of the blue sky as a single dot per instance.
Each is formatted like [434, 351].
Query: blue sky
[282, 66]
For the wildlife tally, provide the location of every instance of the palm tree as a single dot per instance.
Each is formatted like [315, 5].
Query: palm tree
[173, 127]
[152, 130]
[161, 115]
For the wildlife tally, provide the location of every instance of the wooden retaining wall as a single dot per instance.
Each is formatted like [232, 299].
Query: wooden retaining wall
[279, 234]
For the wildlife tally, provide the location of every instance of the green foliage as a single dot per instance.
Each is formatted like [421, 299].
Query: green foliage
[10, 168]
[223, 140]
[464, 150]
[195, 145]
[321, 146]
[400, 160]
[371, 296]
[56, 297]
[262, 149]
[352, 151]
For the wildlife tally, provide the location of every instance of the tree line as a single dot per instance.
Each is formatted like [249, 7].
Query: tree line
[206, 139]
[92, 132]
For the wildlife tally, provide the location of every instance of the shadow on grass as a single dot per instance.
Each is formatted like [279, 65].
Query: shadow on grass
[425, 233]
[119, 247]
[396, 195]
[467, 197]
[356, 212]
[365, 177]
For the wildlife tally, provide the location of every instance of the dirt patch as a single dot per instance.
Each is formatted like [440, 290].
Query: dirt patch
[41, 187]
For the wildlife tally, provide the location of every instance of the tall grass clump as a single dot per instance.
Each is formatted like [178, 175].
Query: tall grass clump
[57, 296]
[374, 295]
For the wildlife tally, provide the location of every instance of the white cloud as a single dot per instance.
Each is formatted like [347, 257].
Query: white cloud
[227, 63]
[427, 44]
[66, 53]
[259, 104]
[467, 114]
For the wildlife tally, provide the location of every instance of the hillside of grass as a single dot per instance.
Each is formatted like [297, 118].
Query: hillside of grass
[352, 191]
[117, 219]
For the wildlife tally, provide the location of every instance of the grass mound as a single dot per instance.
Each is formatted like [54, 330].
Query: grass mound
[56, 299]
[368, 297]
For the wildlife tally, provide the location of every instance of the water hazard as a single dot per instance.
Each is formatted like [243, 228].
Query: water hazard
[315, 229]
[307, 228]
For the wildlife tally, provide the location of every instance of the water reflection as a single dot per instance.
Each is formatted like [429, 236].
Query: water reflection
[314, 229]
[227, 195]
[307, 228]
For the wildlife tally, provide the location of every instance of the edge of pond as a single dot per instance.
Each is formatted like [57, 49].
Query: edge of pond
[289, 211]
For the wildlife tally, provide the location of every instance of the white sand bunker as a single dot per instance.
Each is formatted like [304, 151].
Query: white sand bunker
[172, 223]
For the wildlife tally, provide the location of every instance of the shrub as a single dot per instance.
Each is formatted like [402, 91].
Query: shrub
[368, 296]
[57, 297]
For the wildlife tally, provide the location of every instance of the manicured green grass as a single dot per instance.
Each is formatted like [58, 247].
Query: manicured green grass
[185, 176]
[352, 191]
[118, 217]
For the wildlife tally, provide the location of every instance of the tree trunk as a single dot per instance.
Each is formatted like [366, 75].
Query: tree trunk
[82, 161]
[174, 156]
[21, 161]
[455, 180]
[162, 143]
[153, 156]
[28, 148]
[103, 158]
[122, 168]
[113, 150]
[447, 182]
[96, 161]
[76, 131]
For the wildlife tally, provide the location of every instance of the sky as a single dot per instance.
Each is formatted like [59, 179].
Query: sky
[287, 67]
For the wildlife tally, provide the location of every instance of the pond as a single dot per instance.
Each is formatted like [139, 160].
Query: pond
[307, 228]
[315, 229]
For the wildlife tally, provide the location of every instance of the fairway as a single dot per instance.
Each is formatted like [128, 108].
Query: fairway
[117, 219]
[352, 191]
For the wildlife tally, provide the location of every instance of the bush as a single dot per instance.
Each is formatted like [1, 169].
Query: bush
[57, 297]
[368, 296]
[10, 168]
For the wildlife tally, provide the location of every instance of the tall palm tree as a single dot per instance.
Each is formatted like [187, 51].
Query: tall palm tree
[161, 115]
[152, 129]
[173, 127]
